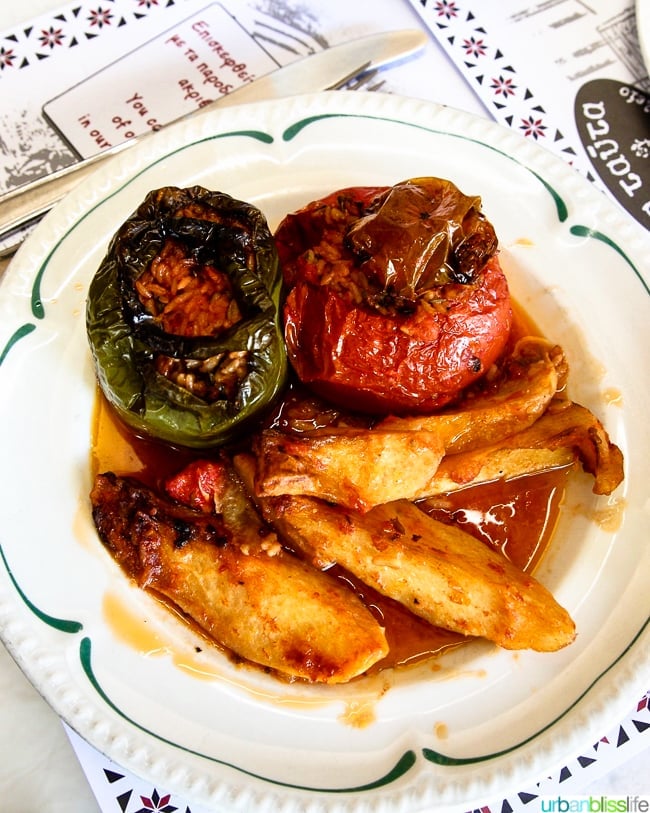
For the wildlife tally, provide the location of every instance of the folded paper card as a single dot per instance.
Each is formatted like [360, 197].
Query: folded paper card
[191, 64]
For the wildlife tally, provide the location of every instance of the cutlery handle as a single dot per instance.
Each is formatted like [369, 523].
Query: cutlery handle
[21, 206]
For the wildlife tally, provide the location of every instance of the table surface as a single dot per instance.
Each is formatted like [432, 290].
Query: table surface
[39, 770]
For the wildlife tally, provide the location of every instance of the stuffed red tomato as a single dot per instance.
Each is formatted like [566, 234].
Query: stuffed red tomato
[395, 300]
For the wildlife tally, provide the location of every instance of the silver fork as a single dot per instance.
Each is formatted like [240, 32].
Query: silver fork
[361, 82]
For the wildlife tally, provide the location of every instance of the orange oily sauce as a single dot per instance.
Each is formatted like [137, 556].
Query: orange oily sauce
[516, 517]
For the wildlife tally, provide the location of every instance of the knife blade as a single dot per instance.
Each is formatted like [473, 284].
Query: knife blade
[320, 71]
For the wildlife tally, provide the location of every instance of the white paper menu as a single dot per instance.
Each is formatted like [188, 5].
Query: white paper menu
[565, 73]
[81, 78]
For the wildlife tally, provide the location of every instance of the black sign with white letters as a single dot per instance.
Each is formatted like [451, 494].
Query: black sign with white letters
[613, 120]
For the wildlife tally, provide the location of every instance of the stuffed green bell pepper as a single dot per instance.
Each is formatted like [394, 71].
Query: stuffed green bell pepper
[183, 318]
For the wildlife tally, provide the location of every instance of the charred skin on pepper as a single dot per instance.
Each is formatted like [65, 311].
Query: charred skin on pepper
[183, 318]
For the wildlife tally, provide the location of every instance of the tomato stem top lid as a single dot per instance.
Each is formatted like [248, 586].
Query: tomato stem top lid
[422, 233]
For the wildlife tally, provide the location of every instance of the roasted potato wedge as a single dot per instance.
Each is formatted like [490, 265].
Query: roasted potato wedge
[361, 468]
[230, 575]
[437, 571]
[566, 434]
[518, 427]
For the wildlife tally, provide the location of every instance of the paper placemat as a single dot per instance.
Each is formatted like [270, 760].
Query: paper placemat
[81, 78]
[568, 75]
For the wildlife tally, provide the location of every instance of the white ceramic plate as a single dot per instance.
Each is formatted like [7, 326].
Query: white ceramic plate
[484, 721]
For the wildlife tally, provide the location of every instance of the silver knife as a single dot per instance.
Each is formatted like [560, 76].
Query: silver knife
[321, 71]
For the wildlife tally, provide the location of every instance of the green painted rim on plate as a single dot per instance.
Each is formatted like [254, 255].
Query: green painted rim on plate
[404, 764]
[291, 132]
[18, 334]
[61, 624]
